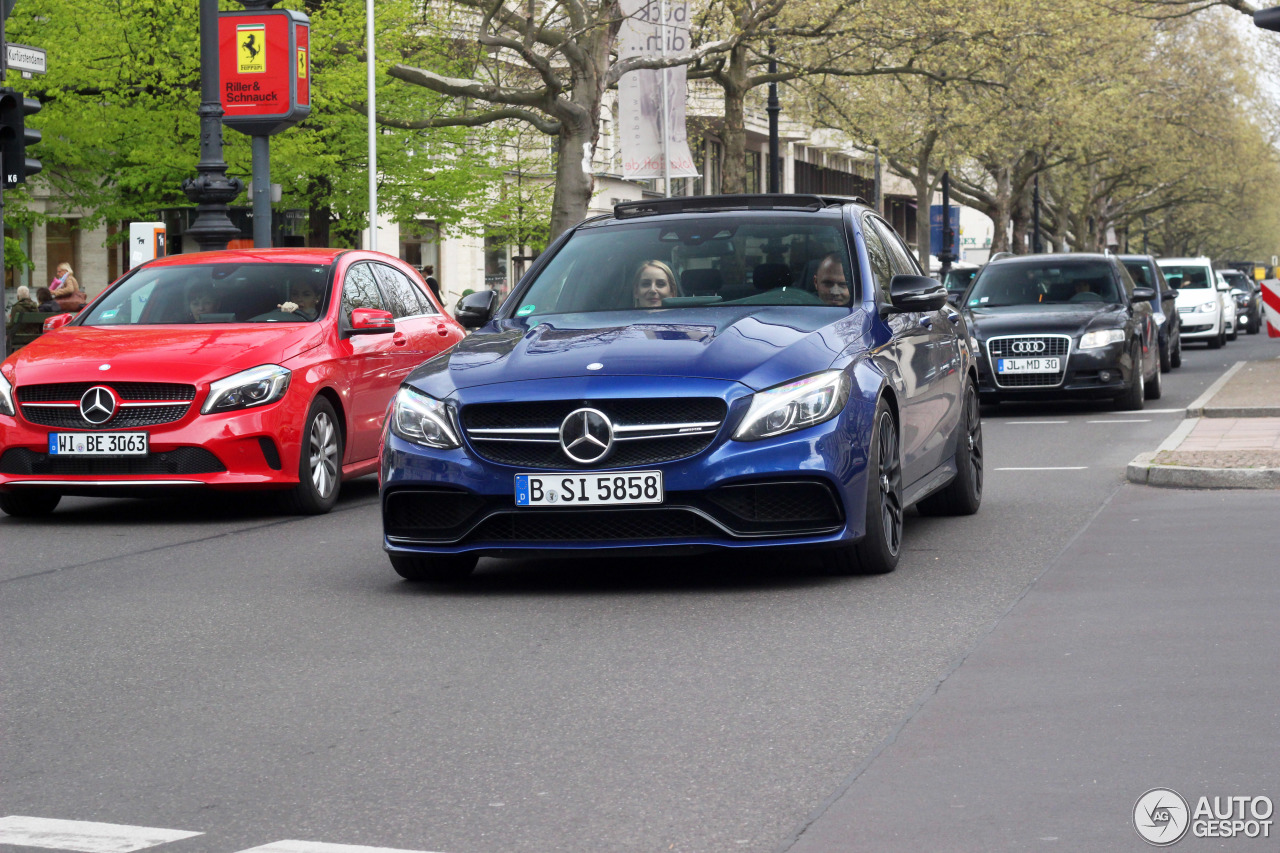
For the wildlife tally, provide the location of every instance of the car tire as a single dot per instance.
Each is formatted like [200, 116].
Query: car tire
[436, 568]
[1235, 330]
[1255, 325]
[319, 462]
[1166, 355]
[877, 552]
[1156, 386]
[1132, 398]
[1175, 357]
[28, 503]
[963, 495]
[1218, 340]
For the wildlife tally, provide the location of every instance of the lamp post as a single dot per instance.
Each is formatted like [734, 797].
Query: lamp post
[1035, 215]
[946, 256]
[773, 108]
[211, 189]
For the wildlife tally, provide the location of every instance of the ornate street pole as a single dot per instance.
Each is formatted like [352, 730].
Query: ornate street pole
[211, 190]
[773, 108]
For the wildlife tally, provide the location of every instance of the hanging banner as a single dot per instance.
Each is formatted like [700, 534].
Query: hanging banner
[640, 93]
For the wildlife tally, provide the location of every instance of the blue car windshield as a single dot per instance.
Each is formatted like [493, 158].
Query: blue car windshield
[215, 293]
[696, 262]
[1055, 283]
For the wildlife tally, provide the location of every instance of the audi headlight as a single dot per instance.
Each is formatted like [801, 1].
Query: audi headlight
[256, 386]
[794, 405]
[6, 397]
[1101, 338]
[423, 420]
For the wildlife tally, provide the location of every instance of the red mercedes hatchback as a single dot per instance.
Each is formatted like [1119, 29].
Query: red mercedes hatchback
[254, 369]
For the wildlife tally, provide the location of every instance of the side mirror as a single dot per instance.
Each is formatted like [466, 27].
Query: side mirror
[57, 321]
[1223, 286]
[476, 309]
[1146, 294]
[371, 321]
[954, 296]
[1235, 291]
[916, 293]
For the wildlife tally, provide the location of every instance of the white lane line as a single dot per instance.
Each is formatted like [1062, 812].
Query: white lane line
[1013, 423]
[1122, 421]
[321, 847]
[84, 836]
[1063, 468]
[1164, 411]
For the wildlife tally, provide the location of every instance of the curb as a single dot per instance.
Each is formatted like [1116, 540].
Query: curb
[1197, 409]
[1144, 472]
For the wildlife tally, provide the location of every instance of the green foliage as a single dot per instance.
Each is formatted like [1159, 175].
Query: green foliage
[121, 131]
[14, 257]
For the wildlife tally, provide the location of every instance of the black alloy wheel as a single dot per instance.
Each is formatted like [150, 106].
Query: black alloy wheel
[963, 495]
[435, 568]
[28, 503]
[877, 552]
[1132, 398]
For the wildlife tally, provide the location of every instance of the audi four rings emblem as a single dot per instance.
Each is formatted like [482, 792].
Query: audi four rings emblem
[586, 435]
[1025, 347]
[98, 405]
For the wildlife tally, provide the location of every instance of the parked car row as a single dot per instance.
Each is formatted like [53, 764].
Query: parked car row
[1098, 326]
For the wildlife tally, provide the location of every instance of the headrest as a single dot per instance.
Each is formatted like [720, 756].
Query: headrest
[771, 276]
[705, 282]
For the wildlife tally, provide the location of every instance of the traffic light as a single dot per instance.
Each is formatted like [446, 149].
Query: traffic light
[16, 138]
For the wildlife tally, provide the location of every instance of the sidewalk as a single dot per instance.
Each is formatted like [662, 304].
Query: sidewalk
[1230, 440]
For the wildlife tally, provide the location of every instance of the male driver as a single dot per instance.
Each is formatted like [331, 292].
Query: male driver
[829, 281]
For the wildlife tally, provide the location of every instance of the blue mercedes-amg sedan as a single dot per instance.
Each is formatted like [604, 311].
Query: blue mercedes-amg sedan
[719, 372]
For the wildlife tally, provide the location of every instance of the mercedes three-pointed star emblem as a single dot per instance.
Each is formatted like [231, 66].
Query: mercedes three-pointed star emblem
[586, 436]
[98, 405]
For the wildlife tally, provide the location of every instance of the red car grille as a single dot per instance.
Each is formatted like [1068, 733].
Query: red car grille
[142, 404]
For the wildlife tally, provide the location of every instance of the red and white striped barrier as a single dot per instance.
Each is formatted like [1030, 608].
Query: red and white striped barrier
[1271, 306]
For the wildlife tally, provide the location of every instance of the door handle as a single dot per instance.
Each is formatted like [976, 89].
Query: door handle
[399, 339]
[442, 330]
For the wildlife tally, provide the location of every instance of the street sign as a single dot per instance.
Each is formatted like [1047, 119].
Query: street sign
[264, 63]
[146, 241]
[25, 58]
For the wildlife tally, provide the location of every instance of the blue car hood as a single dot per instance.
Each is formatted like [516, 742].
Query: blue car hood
[759, 347]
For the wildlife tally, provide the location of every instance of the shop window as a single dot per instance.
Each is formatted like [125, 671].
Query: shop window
[62, 240]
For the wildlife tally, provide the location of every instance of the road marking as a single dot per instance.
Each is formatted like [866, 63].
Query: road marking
[1122, 421]
[1064, 468]
[84, 836]
[1011, 423]
[1164, 411]
[321, 847]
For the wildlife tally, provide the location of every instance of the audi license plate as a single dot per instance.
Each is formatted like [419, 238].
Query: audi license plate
[636, 487]
[97, 444]
[1027, 365]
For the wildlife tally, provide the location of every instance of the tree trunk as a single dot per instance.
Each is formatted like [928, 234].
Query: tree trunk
[1001, 210]
[924, 199]
[733, 80]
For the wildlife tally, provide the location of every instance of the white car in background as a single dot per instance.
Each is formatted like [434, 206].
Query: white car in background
[1200, 303]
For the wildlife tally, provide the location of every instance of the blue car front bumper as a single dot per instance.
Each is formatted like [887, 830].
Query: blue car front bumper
[806, 488]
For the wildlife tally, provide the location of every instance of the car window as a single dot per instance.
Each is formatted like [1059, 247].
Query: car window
[403, 299]
[360, 290]
[1126, 281]
[1141, 272]
[878, 259]
[1184, 276]
[215, 293]
[957, 280]
[696, 261]
[1048, 283]
[899, 255]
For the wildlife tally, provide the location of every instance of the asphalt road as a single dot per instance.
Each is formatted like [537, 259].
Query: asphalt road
[209, 667]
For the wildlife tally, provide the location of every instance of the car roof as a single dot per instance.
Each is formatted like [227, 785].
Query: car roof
[244, 256]
[1052, 258]
[799, 203]
[1184, 261]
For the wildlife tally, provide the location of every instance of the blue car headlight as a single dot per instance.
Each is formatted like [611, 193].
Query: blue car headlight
[794, 405]
[423, 420]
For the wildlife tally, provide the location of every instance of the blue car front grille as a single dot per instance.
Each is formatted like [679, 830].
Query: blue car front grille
[647, 431]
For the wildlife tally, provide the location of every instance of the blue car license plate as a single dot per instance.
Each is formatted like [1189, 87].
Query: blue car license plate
[563, 489]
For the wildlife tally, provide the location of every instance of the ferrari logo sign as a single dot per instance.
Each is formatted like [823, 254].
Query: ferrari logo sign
[302, 63]
[251, 48]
